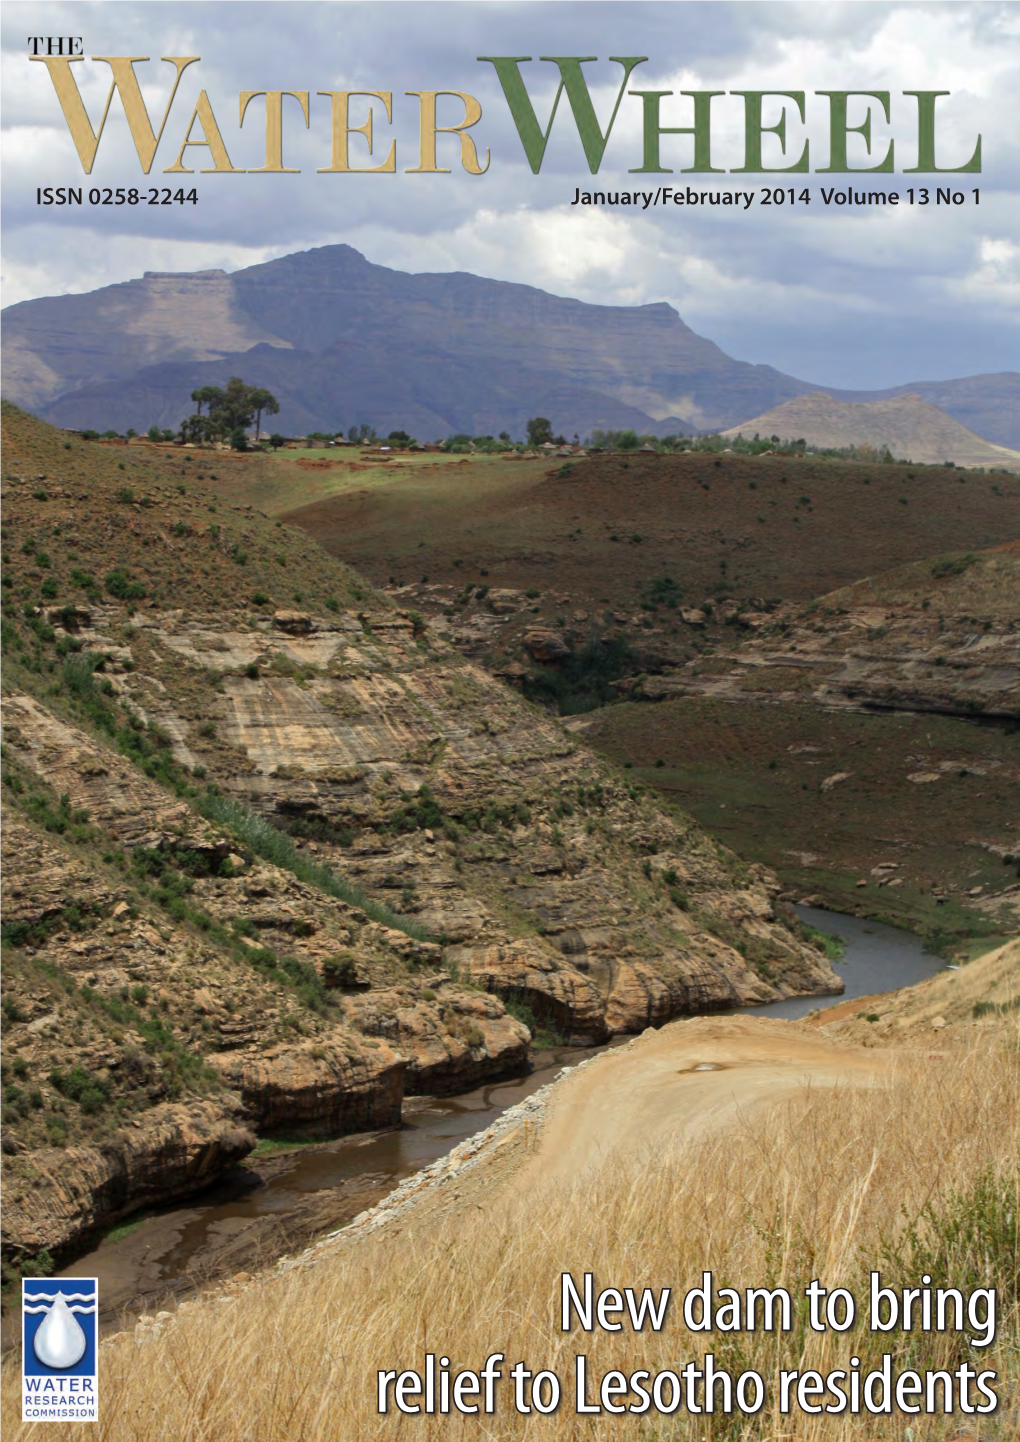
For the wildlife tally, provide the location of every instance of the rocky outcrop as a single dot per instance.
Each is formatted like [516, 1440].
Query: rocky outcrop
[939, 636]
[450, 1046]
[55, 1198]
[296, 623]
[116, 796]
[555, 992]
[544, 644]
[324, 1088]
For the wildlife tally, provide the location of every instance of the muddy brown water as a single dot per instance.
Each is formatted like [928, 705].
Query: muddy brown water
[277, 1203]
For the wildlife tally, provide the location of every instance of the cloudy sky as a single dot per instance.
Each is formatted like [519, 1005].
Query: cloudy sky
[850, 297]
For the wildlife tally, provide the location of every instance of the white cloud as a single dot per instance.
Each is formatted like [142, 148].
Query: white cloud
[83, 260]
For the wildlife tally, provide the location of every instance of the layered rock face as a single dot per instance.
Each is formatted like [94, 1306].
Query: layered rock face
[56, 1196]
[271, 868]
[338, 1089]
[939, 636]
[480, 817]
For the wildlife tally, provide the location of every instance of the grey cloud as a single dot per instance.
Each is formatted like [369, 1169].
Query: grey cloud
[902, 308]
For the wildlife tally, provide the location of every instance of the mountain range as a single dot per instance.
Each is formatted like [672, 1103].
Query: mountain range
[342, 341]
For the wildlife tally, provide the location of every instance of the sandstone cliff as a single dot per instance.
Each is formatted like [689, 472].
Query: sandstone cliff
[276, 853]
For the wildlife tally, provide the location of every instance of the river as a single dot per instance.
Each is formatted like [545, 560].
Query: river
[276, 1203]
[877, 958]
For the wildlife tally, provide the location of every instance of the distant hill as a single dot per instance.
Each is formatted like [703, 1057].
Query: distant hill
[912, 429]
[342, 341]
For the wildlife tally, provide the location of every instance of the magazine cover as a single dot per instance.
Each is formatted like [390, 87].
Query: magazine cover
[511, 721]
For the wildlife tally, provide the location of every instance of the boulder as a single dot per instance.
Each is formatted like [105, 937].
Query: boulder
[544, 644]
[342, 1087]
[295, 623]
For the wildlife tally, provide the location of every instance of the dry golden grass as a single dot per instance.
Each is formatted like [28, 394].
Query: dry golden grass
[812, 1189]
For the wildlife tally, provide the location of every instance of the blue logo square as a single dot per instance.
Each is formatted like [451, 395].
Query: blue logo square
[60, 1335]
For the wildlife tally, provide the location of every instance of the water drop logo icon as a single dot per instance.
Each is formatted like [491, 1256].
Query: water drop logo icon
[59, 1349]
[60, 1341]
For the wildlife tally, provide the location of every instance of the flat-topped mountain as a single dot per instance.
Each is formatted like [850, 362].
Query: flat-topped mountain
[912, 429]
[340, 340]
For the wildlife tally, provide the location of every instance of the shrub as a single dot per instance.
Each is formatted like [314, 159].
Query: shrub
[584, 679]
[341, 970]
[663, 591]
[953, 565]
[79, 1085]
[122, 587]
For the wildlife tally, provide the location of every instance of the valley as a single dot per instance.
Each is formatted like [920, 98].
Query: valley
[277, 855]
[819, 659]
[347, 800]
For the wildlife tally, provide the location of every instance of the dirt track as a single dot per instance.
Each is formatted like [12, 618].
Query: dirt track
[651, 1093]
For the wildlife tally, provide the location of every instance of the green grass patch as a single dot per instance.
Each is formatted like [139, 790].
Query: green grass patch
[833, 946]
[273, 845]
[271, 1146]
[125, 1229]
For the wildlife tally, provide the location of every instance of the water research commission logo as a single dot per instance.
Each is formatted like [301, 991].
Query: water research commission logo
[59, 1319]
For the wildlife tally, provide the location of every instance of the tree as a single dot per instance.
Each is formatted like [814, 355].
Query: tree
[263, 400]
[233, 410]
[153, 433]
[399, 438]
[197, 428]
[276, 440]
[206, 395]
[539, 431]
